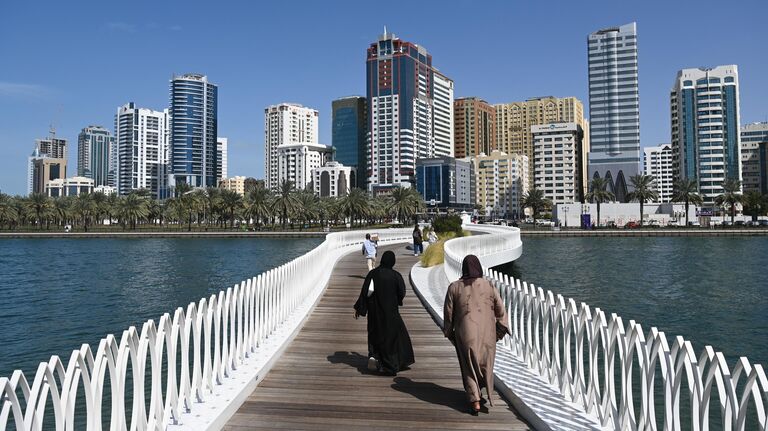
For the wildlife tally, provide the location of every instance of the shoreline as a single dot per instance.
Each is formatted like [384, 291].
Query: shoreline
[646, 233]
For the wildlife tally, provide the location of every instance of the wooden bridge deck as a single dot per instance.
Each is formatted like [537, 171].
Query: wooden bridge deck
[321, 381]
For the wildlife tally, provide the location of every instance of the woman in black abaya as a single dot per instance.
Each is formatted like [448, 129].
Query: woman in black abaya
[389, 345]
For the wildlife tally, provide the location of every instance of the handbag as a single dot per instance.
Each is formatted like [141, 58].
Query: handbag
[370, 288]
[501, 330]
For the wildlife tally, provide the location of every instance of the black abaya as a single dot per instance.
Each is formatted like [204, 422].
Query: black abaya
[388, 337]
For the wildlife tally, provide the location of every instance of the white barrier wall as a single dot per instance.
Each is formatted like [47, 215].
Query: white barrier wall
[184, 361]
[494, 245]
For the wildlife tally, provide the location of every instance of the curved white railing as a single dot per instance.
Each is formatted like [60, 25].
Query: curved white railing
[184, 361]
[616, 372]
[494, 246]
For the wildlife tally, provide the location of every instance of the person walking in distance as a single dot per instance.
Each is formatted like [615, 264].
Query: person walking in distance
[382, 293]
[418, 246]
[474, 319]
[369, 251]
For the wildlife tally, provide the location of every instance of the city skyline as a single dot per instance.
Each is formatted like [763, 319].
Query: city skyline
[33, 97]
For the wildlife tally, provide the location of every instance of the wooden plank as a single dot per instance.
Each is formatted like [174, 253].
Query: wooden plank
[321, 381]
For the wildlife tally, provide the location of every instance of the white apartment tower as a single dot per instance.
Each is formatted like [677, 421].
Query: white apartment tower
[557, 161]
[657, 163]
[443, 115]
[501, 180]
[221, 157]
[296, 162]
[142, 138]
[286, 124]
[706, 145]
[614, 107]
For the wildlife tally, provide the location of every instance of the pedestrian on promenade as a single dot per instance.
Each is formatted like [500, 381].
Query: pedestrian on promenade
[473, 316]
[432, 236]
[418, 247]
[369, 251]
[389, 345]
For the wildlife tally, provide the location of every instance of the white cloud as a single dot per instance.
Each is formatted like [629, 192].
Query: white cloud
[15, 89]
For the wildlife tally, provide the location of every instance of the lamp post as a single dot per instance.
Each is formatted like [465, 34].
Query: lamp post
[565, 210]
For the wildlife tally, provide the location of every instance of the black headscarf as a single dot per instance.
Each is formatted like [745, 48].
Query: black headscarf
[471, 268]
[387, 259]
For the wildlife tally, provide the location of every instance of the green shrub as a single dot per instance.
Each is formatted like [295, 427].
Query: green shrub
[447, 223]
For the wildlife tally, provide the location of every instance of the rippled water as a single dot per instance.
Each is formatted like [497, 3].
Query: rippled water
[713, 291]
[56, 294]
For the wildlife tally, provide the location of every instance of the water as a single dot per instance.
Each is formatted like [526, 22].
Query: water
[56, 294]
[713, 291]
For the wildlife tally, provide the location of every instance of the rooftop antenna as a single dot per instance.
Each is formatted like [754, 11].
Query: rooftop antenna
[385, 31]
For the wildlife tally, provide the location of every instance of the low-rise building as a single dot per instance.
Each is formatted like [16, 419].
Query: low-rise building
[754, 141]
[107, 190]
[235, 184]
[333, 180]
[557, 161]
[446, 182]
[619, 214]
[72, 186]
[501, 180]
[296, 161]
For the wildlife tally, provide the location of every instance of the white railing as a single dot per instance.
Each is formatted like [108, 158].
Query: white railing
[494, 246]
[183, 360]
[617, 372]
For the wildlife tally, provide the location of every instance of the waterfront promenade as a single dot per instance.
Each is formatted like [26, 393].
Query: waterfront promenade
[321, 380]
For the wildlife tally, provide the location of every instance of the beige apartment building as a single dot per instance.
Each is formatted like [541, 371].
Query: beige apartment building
[514, 121]
[235, 184]
[501, 180]
[474, 127]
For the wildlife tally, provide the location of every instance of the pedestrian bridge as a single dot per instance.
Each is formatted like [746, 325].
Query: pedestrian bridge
[282, 351]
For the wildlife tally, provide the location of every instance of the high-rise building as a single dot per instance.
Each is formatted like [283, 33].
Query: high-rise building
[43, 170]
[705, 128]
[557, 162]
[514, 121]
[286, 124]
[333, 180]
[754, 138]
[52, 147]
[614, 107]
[443, 116]
[501, 180]
[221, 156]
[657, 163]
[193, 126]
[446, 182]
[142, 150]
[409, 111]
[296, 162]
[349, 131]
[474, 127]
[95, 146]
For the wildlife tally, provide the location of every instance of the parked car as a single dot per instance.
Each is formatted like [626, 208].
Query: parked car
[610, 223]
[753, 223]
[727, 223]
[764, 223]
[545, 222]
[631, 225]
[651, 223]
[693, 223]
[739, 223]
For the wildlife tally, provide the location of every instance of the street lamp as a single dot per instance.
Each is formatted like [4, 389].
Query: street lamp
[565, 210]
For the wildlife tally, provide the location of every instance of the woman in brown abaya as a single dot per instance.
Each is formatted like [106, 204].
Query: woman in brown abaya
[472, 308]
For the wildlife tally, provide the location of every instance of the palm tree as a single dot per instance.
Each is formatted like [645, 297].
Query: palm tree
[405, 203]
[41, 205]
[212, 203]
[307, 207]
[285, 201]
[731, 196]
[132, 208]
[258, 205]
[100, 201]
[685, 190]
[755, 204]
[84, 207]
[598, 192]
[536, 201]
[354, 205]
[8, 213]
[231, 201]
[644, 190]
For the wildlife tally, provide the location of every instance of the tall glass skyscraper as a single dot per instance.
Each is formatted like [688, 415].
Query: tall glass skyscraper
[95, 146]
[349, 131]
[410, 111]
[614, 107]
[705, 128]
[193, 148]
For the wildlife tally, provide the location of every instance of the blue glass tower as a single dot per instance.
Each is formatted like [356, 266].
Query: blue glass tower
[349, 131]
[193, 151]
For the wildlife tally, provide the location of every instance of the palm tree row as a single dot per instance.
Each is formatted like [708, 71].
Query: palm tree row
[207, 208]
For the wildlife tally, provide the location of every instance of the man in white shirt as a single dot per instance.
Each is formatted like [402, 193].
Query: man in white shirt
[369, 251]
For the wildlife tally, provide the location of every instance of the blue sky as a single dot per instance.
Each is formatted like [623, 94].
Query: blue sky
[73, 65]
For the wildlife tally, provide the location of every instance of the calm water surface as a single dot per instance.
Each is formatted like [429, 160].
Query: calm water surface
[56, 294]
[710, 290]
